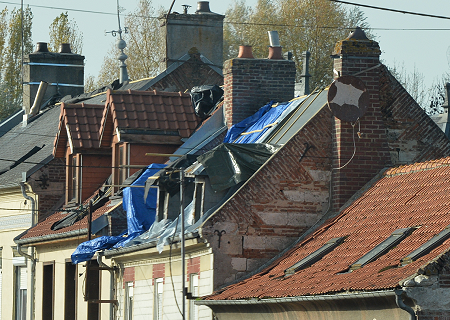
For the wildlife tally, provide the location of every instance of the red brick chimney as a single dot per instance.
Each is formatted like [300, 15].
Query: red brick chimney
[358, 56]
[250, 83]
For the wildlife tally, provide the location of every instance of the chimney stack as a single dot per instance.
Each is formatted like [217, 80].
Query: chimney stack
[250, 83]
[63, 71]
[200, 32]
[358, 56]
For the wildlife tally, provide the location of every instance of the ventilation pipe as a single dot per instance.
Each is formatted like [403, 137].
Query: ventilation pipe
[38, 99]
[65, 48]
[245, 52]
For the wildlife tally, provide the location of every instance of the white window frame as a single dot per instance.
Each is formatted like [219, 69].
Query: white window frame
[194, 280]
[158, 302]
[129, 297]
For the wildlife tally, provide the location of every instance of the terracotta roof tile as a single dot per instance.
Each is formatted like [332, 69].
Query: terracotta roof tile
[416, 195]
[44, 228]
[83, 121]
[153, 110]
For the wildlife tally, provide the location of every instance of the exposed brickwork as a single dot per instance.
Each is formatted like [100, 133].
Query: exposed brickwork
[250, 83]
[49, 184]
[371, 149]
[128, 275]
[159, 271]
[276, 205]
[433, 315]
[194, 72]
[193, 266]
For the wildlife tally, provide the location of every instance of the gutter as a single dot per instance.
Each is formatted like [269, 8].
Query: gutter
[50, 237]
[344, 296]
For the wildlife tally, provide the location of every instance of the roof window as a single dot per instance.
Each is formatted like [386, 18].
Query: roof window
[315, 256]
[395, 238]
[427, 246]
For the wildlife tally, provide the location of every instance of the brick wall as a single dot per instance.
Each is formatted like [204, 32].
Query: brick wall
[128, 275]
[250, 83]
[281, 201]
[49, 184]
[361, 57]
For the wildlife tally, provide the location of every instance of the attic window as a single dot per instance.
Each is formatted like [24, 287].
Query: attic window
[315, 256]
[427, 247]
[395, 238]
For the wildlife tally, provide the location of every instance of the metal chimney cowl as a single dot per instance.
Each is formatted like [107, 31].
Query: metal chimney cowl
[203, 7]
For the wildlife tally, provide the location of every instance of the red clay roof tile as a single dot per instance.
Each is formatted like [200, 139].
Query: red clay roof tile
[416, 195]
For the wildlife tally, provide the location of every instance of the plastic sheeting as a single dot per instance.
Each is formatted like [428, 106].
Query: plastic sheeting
[140, 216]
[242, 126]
[163, 231]
[228, 164]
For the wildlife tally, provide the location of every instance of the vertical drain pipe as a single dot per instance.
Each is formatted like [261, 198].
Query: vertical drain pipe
[402, 305]
[32, 259]
[112, 283]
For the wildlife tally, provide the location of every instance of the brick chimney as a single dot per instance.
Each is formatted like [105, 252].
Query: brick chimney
[63, 71]
[200, 32]
[251, 83]
[358, 56]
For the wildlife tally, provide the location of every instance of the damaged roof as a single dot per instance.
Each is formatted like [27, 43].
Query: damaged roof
[415, 196]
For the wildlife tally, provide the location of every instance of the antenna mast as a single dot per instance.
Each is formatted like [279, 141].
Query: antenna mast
[121, 44]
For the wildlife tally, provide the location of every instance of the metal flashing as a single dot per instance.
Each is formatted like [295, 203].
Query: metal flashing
[395, 238]
[427, 246]
[315, 256]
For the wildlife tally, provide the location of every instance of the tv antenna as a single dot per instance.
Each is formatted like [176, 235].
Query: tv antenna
[120, 44]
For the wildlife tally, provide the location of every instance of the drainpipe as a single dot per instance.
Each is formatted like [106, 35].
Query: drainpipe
[402, 305]
[112, 285]
[30, 256]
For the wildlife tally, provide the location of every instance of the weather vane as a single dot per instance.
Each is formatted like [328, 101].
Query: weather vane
[120, 44]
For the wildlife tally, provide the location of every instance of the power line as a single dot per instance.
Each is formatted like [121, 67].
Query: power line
[392, 10]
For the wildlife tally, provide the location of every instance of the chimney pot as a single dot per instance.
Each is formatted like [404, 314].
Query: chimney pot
[275, 53]
[245, 52]
[202, 6]
[41, 47]
[65, 48]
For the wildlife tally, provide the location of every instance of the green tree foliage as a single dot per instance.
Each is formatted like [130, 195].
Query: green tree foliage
[313, 25]
[144, 47]
[11, 56]
[63, 30]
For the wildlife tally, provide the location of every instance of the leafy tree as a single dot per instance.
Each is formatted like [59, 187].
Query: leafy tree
[302, 25]
[144, 46]
[63, 30]
[11, 68]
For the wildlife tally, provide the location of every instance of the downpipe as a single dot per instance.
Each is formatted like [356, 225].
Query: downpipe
[402, 305]
[30, 256]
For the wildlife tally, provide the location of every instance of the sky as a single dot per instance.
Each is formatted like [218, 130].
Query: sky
[406, 40]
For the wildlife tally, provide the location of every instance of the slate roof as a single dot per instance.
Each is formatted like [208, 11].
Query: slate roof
[16, 144]
[83, 122]
[158, 112]
[416, 195]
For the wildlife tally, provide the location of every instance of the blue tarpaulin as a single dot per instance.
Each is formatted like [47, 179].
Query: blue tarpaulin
[257, 127]
[234, 132]
[140, 216]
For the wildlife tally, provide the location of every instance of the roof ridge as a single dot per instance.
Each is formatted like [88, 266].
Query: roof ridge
[418, 166]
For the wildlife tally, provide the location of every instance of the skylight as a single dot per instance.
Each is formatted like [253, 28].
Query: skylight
[395, 238]
[315, 256]
[427, 246]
